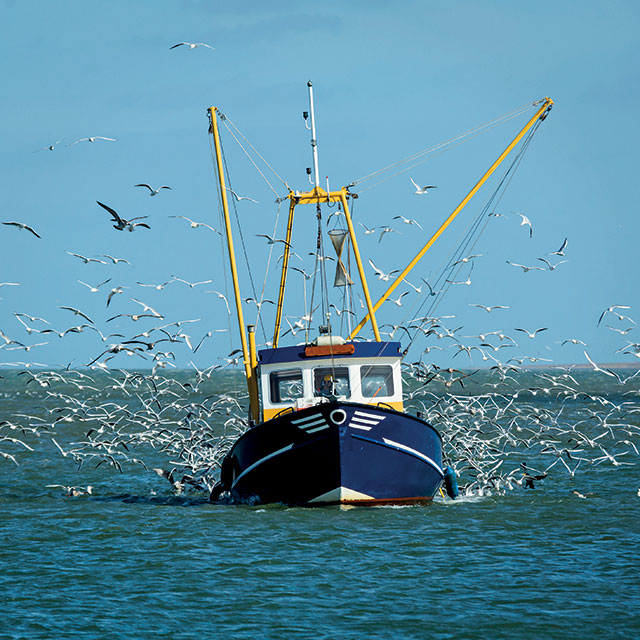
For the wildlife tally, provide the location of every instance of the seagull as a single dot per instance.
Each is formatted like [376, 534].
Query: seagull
[22, 225]
[584, 496]
[222, 297]
[157, 287]
[85, 259]
[191, 284]
[381, 274]
[368, 231]
[386, 230]
[408, 221]
[115, 260]
[560, 251]
[9, 284]
[146, 307]
[467, 258]
[153, 192]
[525, 222]
[271, 240]
[92, 139]
[524, 267]
[77, 312]
[339, 312]
[612, 309]
[192, 45]
[121, 223]
[421, 190]
[489, 309]
[467, 281]
[72, 492]
[50, 147]
[94, 289]
[113, 292]
[533, 335]
[238, 198]
[431, 291]
[195, 225]
[258, 304]
[573, 341]
[398, 300]
[607, 372]
[551, 266]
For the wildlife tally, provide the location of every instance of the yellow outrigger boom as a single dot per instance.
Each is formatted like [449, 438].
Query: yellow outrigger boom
[540, 115]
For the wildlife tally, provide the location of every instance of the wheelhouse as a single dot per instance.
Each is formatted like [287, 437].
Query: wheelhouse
[293, 378]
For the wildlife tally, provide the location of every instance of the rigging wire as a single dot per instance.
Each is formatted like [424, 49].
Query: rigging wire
[455, 139]
[225, 120]
[471, 237]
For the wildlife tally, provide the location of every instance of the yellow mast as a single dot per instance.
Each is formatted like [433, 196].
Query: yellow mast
[316, 196]
[246, 359]
[540, 114]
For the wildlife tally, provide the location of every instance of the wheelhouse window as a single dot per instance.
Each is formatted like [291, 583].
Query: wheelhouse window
[286, 385]
[331, 381]
[376, 381]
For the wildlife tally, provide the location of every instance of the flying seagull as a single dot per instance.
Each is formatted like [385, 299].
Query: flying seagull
[408, 221]
[525, 222]
[238, 198]
[271, 240]
[532, 335]
[152, 191]
[489, 309]
[92, 139]
[194, 225]
[121, 223]
[612, 309]
[22, 225]
[191, 45]
[560, 251]
[50, 147]
[421, 190]
[381, 274]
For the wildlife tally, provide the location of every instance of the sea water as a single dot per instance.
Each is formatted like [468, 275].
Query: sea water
[134, 560]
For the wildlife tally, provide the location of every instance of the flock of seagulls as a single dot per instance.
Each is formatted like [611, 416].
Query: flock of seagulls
[488, 418]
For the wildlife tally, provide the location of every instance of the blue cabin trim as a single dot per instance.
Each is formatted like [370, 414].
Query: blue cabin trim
[362, 350]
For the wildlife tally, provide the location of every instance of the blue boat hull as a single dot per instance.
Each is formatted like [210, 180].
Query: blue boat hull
[338, 452]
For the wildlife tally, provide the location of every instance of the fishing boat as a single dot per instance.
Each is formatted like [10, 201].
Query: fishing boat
[327, 422]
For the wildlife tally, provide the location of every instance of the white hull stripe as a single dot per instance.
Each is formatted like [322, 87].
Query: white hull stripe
[403, 447]
[259, 462]
[415, 453]
[307, 425]
[314, 416]
[353, 425]
[369, 415]
[324, 426]
[365, 420]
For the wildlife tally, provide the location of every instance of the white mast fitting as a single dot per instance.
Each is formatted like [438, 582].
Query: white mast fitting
[314, 143]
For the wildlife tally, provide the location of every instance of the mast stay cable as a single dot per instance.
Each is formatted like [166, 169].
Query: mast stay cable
[471, 238]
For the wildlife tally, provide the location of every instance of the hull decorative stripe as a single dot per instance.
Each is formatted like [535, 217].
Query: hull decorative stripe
[365, 421]
[369, 415]
[311, 424]
[259, 462]
[402, 447]
[324, 426]
[315, 416]
[353, 425]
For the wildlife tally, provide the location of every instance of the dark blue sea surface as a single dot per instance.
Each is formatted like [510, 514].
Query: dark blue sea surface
[135, 560]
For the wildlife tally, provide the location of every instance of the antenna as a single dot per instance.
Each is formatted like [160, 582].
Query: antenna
[314, 144]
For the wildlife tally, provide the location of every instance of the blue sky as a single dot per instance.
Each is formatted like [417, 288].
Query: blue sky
[389, 79]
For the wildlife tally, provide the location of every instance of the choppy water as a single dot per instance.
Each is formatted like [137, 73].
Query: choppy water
[134, 560]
